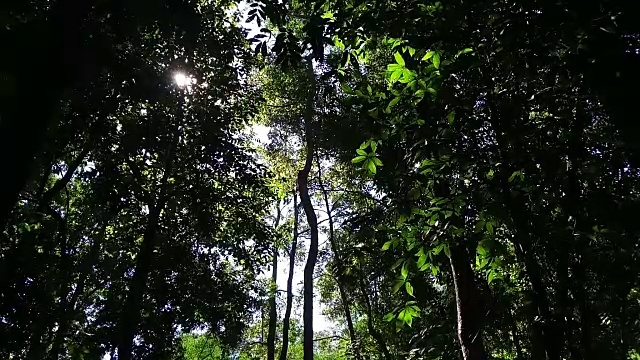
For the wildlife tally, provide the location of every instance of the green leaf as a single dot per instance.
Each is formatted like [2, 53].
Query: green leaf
[327, 15]
[492, 276]
[490, 227]
[409, 320]
[482, 262]
[409, 288]
[464, 51]
[428, 55]
[407, 76]
[431, 91]
[394, 67]
[358, 159]
[481, 250]
[377, 161]
[404, 271]
[434, 270]
[451, 117]
[371, 166]
[397, 284]
[374, 146]
[393, 102]
[447, 251]
[389, 317]
[436, 60]
[412, 51]
[361, 152]
[421, 260]
[399, 58]
[346, 89]
[387, 245]
[490, 174]
[395, 75]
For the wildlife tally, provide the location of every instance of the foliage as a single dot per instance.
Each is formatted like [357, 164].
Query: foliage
[472, 168]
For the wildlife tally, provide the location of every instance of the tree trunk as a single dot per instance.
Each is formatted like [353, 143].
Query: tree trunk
[292, 264]
[312, 220]
[501, 120]
[375, 334]
[273, 311]
[67, 308]
[467, 305]
[340, 267]
[138, 286]
[131, 313]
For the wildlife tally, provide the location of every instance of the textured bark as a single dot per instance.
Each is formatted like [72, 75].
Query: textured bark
[273, 311]
[292, 264]
[312, 220]
[467, 305]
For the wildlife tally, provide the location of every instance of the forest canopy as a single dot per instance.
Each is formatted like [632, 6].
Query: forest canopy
[215, 179]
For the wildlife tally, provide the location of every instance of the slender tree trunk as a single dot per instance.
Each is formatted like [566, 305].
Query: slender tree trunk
[375, 334]
[467, 305]
[312, 220]
[344, 298]
[292, 264]
[64, 181]
[501, 120]
[68, 307]
[273, 311]
[131, 312]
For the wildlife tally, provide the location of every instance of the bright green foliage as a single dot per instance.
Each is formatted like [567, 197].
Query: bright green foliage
[201, 347]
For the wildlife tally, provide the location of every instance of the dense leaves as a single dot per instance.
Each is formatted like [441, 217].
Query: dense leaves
[460, 180]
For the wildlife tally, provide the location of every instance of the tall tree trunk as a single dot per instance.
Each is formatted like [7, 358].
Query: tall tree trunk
[68, 307]
[273, 311]
[131, 312]
[467, 305]
[501, 120]
[292, 264]
[344, 298]
[375, 334]
[312, 220]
